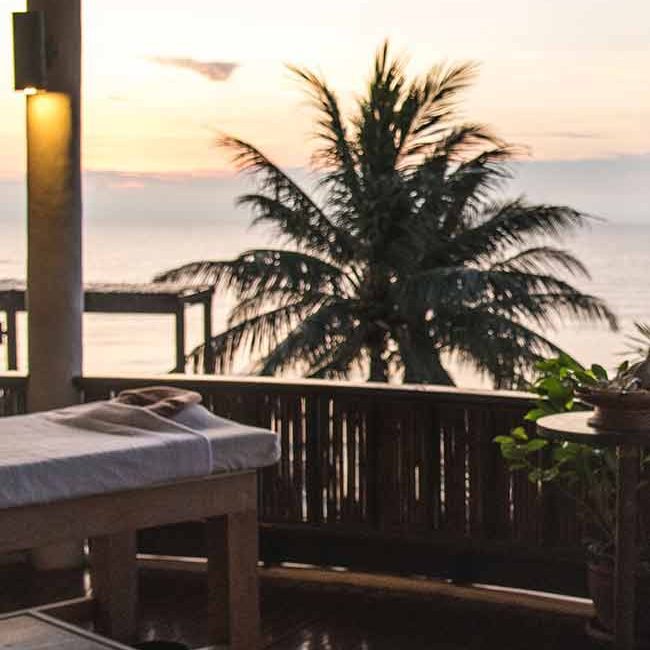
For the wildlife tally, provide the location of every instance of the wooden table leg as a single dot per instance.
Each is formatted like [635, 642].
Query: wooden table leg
[114, 584]
[628, 475]
[233, 607]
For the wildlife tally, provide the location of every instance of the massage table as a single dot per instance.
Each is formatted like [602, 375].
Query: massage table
[101, 471]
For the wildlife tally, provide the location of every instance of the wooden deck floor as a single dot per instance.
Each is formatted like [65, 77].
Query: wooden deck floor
[312, 617]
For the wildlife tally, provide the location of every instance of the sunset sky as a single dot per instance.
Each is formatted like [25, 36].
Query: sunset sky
[567, 78]
[162, 77]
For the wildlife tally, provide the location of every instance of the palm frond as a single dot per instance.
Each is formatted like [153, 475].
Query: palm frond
[457, 289]
[470, 186]
[638, 344]
[451, 187]
[429, 106]
[337, 362]
[376, 141]
[257, 335]
[267, 270]
[455, 143]
[498, 346]
[337, 156]
[549, 309]
[311, 340]
[258, 303]
[199, 273]
[300, 218]
[538, 259]
[514, 223]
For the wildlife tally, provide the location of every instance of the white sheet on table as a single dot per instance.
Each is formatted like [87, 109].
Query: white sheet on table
[106, 446]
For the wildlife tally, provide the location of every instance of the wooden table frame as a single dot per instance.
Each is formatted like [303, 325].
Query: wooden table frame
[228, 502]
[574, 427]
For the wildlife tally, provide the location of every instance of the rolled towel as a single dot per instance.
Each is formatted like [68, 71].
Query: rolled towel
[166, 401]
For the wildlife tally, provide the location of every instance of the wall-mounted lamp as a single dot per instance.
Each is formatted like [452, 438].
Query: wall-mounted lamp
[30, 62]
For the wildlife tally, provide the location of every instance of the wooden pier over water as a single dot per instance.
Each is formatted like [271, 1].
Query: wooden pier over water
[154, 298]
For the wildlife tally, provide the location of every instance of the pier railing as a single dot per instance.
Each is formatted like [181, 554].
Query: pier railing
[387, 478]
[13, 386]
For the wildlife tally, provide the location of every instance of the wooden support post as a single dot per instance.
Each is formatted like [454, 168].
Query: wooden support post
[54, 286]
[54, 217]
[180, 337]
[12, 345]
[208, 366]
[114, 584]
[233, 605]
[629, 472]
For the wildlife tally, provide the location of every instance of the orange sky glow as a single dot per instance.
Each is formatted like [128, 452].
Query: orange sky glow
[567, 81]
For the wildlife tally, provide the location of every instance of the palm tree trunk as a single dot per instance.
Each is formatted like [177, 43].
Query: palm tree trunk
[378, 365]
[430, 371]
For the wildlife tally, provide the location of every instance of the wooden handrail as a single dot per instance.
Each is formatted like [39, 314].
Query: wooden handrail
[310, 386]
[12, 379]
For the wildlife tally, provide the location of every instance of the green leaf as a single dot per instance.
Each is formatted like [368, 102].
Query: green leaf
[554, 388]
[547, 365]
[563, 453]
[568, 362]
[599, 372]
[550, 474]
[585, 377]
[534, 476]
[503, 440]
[513, 452]
[519, 433]
[535, 414]
[536, 444]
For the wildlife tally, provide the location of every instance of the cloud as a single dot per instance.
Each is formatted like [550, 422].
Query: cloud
[576, 135]
[127, 184]
[212, 70]
[564, 135]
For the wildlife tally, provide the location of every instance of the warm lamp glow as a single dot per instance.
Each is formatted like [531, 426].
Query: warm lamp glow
[48, 114]
[30, 90]
[49, 128]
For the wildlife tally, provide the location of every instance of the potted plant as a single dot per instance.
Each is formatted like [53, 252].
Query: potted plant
[588, 474]
[622, 403]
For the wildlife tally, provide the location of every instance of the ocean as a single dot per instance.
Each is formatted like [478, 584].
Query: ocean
[134, 249]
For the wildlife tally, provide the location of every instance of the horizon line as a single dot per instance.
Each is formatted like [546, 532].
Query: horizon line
[229, 172]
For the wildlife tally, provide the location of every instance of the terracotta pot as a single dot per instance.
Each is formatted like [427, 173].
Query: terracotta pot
[616, 410]
[600, 580]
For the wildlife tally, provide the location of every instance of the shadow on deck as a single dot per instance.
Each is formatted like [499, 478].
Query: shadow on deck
[300, 616]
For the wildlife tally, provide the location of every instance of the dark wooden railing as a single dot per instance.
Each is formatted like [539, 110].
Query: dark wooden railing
[388, 478]
[391, 478]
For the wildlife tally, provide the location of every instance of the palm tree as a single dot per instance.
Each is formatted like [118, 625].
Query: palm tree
[406, 254]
